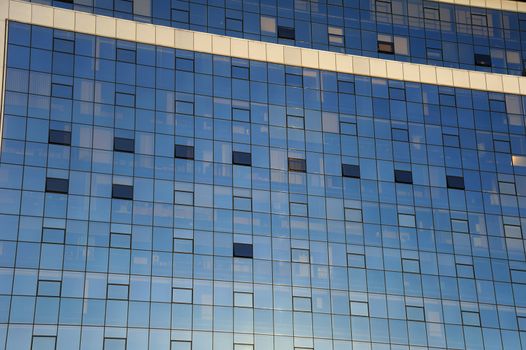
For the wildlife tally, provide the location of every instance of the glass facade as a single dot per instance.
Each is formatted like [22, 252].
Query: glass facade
[417, 31]
[163, 199]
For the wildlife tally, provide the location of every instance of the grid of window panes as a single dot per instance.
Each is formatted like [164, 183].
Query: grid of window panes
[360, 212]
[417, 31]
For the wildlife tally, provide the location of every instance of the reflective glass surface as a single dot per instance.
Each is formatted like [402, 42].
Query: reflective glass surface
[417, 31]
[215, 255]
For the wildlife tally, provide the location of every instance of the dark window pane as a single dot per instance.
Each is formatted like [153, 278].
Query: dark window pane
[297, 164]
[57, 185]
[286, 33]
[403, 176]
[243, 250]
[185, 152]
[455, 182]
[59, 137]
[126, 55]
[482, 60]
[122, 144]
[351, 170]
[240, 72]
[63, 45]
[241, 158]
[385, 47]
[122, 191]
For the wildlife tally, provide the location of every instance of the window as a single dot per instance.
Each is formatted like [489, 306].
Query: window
[183, 245]
[297, 164]
[479, 20]
[400, 134]
[295, 122]
[118, 291]
[184, 152]
[482, 60]
[120, 240]
[59, 137]
[389, 44]
[184, 64]
[513, 231]
[353, 214]
[507, 187]
[49, 288]
[242, 202]
[471, 318]
[243, 250]
[53, 235]
[406, 220]
[356, 260]
[403, 176]
[183, 197]
[122, 144]
[241, 114]
[336, 36]
[348, 128]
[383, 6]
[268, 25]
[385, 47]
[298, 208]
[240, 72]
[125, 55]
[294, 79]
[465, 270]
[180, 15]
[456, 182]
[415, 313]
[124, 96]
[243, 347]
[434, 53]
[182, 295]
[431, 13]
[410, 265]
[501, 146]
[451, 140]
[300, 255]
[62, 90]
[122, 191]
[346, 87]
[351, 170]
[55, 185]
[286, 33]
[63, 45]
[241, 158]
[301, 303]
[114, 344]
[359, 308]
[184, 107]
[243, 299]
[234, 24]
[181, 345]
[42, 342]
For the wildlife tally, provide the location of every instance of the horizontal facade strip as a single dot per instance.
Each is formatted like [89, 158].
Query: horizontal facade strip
[256, 50]
[505, 5]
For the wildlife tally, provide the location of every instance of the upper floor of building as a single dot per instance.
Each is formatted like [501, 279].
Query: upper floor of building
[428, 32]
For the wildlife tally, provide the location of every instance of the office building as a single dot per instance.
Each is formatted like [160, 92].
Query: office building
[263, 175]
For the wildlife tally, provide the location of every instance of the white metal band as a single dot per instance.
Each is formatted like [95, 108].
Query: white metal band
[504, 5]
